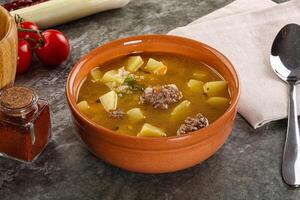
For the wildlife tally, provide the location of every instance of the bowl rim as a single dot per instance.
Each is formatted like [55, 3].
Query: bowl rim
[108, 132]
[9, 18]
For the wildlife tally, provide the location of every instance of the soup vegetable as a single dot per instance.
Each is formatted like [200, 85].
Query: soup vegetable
[153, 95]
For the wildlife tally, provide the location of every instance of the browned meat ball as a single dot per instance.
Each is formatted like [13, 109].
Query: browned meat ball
[192, 124]
[161, 96]
[116, 114]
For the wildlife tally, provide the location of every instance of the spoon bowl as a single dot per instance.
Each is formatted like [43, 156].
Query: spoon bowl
[285, 53]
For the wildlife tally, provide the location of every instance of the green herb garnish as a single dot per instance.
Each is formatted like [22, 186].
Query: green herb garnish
[131, 82]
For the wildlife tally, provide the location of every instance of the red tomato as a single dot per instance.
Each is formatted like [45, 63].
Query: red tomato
[31, 37]
[55, 49]
[24, 56]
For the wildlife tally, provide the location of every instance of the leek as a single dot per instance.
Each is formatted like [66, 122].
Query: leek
[55, 12]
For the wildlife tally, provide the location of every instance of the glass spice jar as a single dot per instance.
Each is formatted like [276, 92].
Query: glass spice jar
[25, 127]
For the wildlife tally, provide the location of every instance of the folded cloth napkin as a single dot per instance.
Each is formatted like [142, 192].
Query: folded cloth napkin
[236, 7]
[246, 39]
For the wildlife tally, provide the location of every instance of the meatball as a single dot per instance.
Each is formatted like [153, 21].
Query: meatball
[161, 96]
[192, 124]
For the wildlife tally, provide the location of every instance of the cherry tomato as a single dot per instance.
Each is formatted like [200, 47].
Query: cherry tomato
[24, 56]
[32, 37]
[55, 49]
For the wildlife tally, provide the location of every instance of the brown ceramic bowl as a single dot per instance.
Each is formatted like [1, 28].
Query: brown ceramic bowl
[153, 155]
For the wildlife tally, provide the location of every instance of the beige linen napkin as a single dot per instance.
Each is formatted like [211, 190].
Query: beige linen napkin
[236, 7]
[246, 40]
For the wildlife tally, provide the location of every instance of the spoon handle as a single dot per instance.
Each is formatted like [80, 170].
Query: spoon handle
[291, 156]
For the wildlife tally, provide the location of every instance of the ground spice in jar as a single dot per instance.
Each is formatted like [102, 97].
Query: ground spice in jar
[24, 124]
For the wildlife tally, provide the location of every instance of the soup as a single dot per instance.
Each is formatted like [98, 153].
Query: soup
[153, 95]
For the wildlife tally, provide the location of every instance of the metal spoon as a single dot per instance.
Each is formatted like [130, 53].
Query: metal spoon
[285, 61]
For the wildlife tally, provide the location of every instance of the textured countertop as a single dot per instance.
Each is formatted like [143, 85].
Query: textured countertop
[246, 167]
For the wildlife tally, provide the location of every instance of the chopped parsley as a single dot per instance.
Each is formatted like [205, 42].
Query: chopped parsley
[132, 84]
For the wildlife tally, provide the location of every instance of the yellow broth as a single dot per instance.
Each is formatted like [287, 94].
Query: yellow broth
[180, 71]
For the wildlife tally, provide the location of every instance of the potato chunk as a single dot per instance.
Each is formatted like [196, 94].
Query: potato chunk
[109, 101]
[201, 76]
[134, 63]
[181, 109]
[216, 88]
[218, 102]
[83, 106]
[135, 115]
[195, 86]
[112, 76]
[155, 67]
[151, 131]
[96, 75]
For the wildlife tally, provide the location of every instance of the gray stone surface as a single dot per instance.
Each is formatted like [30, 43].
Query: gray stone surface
[246, 167]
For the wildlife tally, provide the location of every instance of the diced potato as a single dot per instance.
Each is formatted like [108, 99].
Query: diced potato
[112, 76]
[83, 106]
[134, 63]
[96, 74]
[111, 85]
[151, 131]
[135, 115]
[216, 88]
[181, 109]
[218, 102]
[201, 76]
[196, 86]
[109, 101]
[155, 67]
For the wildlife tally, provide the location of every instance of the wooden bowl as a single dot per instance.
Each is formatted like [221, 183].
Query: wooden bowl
[153, 155]
[8, 48]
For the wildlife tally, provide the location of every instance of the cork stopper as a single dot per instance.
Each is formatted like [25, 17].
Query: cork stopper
[16, 97]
